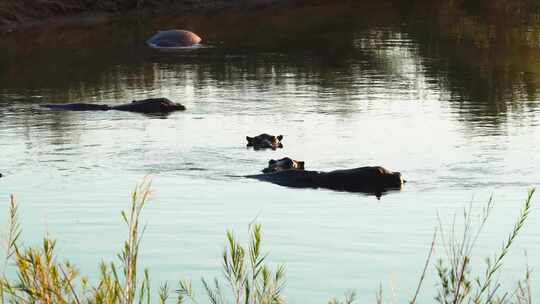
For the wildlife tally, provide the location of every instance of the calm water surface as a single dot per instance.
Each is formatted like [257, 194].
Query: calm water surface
[458, 117]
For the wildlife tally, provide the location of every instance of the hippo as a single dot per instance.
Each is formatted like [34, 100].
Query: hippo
[372, 180]
[152, 105]
[285, 163]
[264, 141]
[78, 107]
[1, 175]
[147, 106]
[173, 39]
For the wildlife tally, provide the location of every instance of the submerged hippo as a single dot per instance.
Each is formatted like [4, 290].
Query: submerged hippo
[78, 107]
[265, 141]
[173, 39]
[151, 105]
[375, 180]
[285, 163]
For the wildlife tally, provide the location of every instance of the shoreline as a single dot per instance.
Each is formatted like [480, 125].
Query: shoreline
[96, 16]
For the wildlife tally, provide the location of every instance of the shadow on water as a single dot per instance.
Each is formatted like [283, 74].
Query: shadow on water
[489, 67]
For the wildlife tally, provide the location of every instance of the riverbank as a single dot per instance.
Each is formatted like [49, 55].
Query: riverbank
[18, 15]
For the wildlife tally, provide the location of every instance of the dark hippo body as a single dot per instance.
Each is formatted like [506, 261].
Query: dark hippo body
[173, 39]
[151, 105]
[78, 107]
[265, 141]
[374, 180]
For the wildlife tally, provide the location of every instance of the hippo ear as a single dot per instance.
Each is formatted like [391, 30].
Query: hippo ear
[301, 165]
[272, 161]
[249, 140]
[279, 137]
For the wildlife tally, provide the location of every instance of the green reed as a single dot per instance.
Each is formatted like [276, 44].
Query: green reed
[40, 277]
[457, 284]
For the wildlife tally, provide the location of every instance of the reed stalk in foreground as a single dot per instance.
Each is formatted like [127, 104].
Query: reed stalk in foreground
[41, 278]
[248, 277]
[456, 284]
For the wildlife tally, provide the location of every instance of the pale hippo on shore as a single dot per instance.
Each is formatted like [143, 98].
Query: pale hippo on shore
[373, 180]
[265, 141]
[148, 106]
[173, 39]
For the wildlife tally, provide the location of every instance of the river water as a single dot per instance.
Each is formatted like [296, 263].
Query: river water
[457, 112]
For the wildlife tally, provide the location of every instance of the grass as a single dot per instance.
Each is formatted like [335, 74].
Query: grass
[39, 276]
[457, 284]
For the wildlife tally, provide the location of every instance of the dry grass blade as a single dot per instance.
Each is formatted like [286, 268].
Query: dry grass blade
[456, 284]
[14, 231]
[494, 266]
[428, 259]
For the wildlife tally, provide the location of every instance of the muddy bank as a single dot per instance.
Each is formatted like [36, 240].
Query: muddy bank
[16, 15]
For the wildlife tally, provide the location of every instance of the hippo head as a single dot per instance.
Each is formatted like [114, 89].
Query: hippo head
[283, 164]
[264, 141]
[390, 179]
[167, 105]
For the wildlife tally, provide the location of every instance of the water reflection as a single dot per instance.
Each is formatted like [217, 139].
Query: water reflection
[329, 50]
[487, 59]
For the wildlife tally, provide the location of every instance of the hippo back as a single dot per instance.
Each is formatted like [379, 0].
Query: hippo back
[371, 179]
[78, 107]
[173, 38]
[151, 105]
[289, 178]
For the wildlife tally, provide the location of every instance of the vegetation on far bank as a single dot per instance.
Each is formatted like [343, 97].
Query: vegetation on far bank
[16, 13]
[19, 13]
[40, 277]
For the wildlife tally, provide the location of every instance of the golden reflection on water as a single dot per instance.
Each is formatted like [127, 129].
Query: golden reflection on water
[476, 60]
